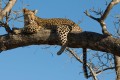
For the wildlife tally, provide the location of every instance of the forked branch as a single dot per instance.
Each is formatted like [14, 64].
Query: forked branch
[104, 16]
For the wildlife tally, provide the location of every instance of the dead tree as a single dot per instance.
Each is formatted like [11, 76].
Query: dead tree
[100, 42]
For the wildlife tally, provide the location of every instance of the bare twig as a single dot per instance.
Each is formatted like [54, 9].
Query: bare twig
[109, 68]
[86, 12]
[98, 12]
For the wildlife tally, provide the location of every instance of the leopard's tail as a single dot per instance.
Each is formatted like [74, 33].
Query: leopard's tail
[85, 62]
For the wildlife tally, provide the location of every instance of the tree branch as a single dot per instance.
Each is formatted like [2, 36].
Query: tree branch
[89, 67]
[86, 12]
[6, 26]
[109, 7]
[100, 71]
[89, 40]
[104, 16]
[7, 8]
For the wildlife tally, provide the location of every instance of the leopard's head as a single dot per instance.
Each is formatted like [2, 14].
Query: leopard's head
[29, 15]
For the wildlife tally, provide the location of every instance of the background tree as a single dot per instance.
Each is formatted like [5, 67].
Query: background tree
[98, 62]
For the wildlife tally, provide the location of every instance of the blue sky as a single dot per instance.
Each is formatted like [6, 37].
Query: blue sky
[41, 62]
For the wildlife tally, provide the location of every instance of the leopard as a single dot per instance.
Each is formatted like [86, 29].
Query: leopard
[62, 26]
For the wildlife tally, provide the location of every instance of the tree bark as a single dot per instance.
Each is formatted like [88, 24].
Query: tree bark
[91, 40]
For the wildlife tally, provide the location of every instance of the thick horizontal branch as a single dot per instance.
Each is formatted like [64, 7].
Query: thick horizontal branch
[89, 40]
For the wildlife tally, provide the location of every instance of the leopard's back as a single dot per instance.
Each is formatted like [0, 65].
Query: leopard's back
[53, 23]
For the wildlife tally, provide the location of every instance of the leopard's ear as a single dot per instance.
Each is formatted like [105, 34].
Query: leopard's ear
[24, 10]
[35, 11]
